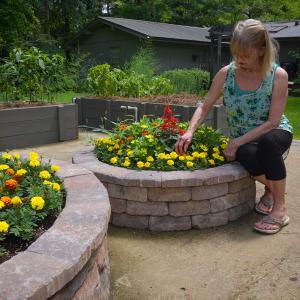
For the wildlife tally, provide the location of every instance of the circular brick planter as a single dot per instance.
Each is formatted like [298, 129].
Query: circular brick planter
[70, 260]
[176, 200]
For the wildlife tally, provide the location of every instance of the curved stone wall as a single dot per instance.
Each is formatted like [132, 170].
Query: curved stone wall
[70, 260]
[176, 200]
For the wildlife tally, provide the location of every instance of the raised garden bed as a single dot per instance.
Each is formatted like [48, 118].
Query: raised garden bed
[97, 112]
[30, 126]
[175, 200]
[70, 260]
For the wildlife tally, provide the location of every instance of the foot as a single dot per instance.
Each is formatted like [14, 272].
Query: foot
[265, 204]
[272, 223]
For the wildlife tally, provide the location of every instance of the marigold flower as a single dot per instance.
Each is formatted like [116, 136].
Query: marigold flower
[110, 148]
[16, 155]
[10, 171]
[37, 203]
[114, 160]
[6, 156]
[4, 167]
[195, 154]
[55, 186]
[224, 146]
[189, 164]
[11, 184]
[173, 155]
[16, 200]
[203, 147]
[167, 156]
[203, 154]
[55, 168]
[147, 164]
[126, 163]
[144, 126]
[44, 174]
[47, 182]
[181, 157]
[140, 164]
[161, 155]
[130, 153]
[4, 226]
[34, 155]
[150, 159]
[120, 152]
[34, 163]
[2, 205]
[216, 149]
[189, 157]
[211, 161]
[170, 162]
[6, 200]
[129, 138]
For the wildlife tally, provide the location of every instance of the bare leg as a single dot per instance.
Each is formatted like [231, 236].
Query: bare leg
[265, 204]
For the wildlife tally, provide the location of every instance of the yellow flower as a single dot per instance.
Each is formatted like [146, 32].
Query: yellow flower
[17, 155]
[47, 182]
[34, 163]
[119, 152]
[44, 174]
[221, 158]
[130, 153]
[33, 156]
[195, 154]
[4, 226]
[140, 164]
[55, 186]
[147, 164]
[189, 164]
[161, 155]
[203, 147]
[114, 160]
[37, 203]
[202, 154]
[21, 172]
[110, 149]
[181, 157]
[167, 156]
[144, 126]
[16, 200]
[223, 146]
[126, 158]
[150, 140]
[2, 204]
[211, 161]
[173, 155]
[149, 136]
[6, 156]
[116, 146]
[4, 167]
[215, 155]
[150, 159]
[126, 163]
[216, 149]
[170, 162]
[189, 157]
[55, 168]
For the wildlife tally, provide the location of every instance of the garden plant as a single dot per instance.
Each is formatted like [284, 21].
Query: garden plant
[30, 191]
[149, 145]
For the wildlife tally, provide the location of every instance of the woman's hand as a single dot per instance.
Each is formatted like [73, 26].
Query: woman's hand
[230, 151]
[183, 143]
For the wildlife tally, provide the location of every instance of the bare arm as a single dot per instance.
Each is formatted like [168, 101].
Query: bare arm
[199, 115]
[278, 102]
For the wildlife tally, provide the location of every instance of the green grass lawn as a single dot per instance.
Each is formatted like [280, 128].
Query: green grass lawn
[292, 111]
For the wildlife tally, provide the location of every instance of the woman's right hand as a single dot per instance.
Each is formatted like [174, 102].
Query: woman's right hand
[183, 143]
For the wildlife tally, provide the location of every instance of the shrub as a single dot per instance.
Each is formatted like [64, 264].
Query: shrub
[29, 191]
[149, 144]
[193, 81]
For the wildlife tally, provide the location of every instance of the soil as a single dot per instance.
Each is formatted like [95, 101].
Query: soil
[17, 104]
[180, 99]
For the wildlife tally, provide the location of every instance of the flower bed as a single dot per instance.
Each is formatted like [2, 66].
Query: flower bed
[149, 144]
[29, 192]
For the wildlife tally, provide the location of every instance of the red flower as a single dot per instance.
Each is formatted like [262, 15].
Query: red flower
[170, 122]
[144, 132]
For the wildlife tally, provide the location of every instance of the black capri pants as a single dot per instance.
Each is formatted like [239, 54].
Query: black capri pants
[265, 155]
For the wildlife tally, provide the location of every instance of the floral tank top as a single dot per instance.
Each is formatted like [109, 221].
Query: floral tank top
[246, 110]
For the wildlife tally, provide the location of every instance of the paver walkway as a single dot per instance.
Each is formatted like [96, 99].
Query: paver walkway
[228, 262]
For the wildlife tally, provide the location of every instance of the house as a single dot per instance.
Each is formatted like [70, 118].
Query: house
[115, 40]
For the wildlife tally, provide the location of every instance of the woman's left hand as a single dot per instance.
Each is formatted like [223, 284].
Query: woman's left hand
[231, 149]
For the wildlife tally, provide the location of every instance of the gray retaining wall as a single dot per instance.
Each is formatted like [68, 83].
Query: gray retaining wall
[70, 260]
[94, 112]
[175, 200]
[31, 126]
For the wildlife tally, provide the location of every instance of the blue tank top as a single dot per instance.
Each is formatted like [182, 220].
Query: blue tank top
[246, 110]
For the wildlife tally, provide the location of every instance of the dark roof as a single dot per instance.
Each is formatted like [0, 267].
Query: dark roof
[161, 30]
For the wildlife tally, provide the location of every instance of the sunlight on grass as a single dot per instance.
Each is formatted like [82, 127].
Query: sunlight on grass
[292, 111]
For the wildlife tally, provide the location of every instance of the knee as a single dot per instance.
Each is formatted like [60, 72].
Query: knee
[267, 142]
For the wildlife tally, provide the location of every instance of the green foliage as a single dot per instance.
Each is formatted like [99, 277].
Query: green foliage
[193, 81]
[115, 82]
[292, 110]
[31, 74]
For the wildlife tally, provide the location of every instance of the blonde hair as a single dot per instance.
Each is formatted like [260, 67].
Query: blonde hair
[252, 33]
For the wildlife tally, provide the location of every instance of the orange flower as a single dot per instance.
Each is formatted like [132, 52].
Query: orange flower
[6, 200]
[10, 171]
[1, 188]
[129, 138]
[122, 126]
[11, 184]
[144, 132]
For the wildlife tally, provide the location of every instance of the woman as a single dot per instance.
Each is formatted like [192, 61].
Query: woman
[255, 94]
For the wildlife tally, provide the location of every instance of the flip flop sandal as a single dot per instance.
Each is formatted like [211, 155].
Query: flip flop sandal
[273, 221]
[267, 201]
